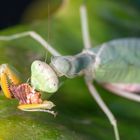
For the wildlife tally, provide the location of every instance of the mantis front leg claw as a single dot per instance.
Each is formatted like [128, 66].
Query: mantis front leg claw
[8, 76]
[29, 98]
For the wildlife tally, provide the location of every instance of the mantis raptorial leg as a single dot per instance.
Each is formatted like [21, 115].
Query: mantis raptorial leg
[35, 36]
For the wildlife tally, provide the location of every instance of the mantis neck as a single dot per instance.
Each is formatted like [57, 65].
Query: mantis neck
[71, 66]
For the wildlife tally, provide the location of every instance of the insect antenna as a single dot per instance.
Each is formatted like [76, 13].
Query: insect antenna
[48, 28]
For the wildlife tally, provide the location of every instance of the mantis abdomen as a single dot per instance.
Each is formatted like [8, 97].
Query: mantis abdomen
[118, 61]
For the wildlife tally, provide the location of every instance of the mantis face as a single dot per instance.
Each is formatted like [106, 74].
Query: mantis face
[43, 77]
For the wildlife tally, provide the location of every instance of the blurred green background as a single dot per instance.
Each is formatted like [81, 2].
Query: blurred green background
[79, 117]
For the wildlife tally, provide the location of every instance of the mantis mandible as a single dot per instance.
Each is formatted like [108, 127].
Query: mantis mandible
[114, 64]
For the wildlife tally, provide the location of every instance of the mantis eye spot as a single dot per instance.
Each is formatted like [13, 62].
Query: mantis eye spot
[39, 64]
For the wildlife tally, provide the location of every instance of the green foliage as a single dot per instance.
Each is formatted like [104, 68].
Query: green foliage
[78, 115]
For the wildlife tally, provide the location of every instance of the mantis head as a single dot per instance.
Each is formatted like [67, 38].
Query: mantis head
[43, 77]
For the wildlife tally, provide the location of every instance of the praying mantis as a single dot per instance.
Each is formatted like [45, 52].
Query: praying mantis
[106, 63]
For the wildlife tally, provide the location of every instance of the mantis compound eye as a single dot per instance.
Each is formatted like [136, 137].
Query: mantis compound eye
[43, 77]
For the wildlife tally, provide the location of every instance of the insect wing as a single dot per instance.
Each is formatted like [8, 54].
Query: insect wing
[119, 61]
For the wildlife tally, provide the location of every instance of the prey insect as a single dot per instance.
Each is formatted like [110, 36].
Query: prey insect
[114, 64]
[29, 98]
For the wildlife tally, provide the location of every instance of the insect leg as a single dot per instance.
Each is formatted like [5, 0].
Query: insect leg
[8, 75]
[104, 107]
[35, 36]
[84, 24]
[125, 94]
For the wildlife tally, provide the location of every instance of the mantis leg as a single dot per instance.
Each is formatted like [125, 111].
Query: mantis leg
[104, 107]
[125, 94]
[8, 75]
[84, 24]
[35, 36]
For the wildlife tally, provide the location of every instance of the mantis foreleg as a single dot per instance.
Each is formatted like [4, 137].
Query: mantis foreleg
[8, 75]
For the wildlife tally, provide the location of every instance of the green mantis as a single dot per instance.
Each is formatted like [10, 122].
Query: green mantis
[92, 63]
